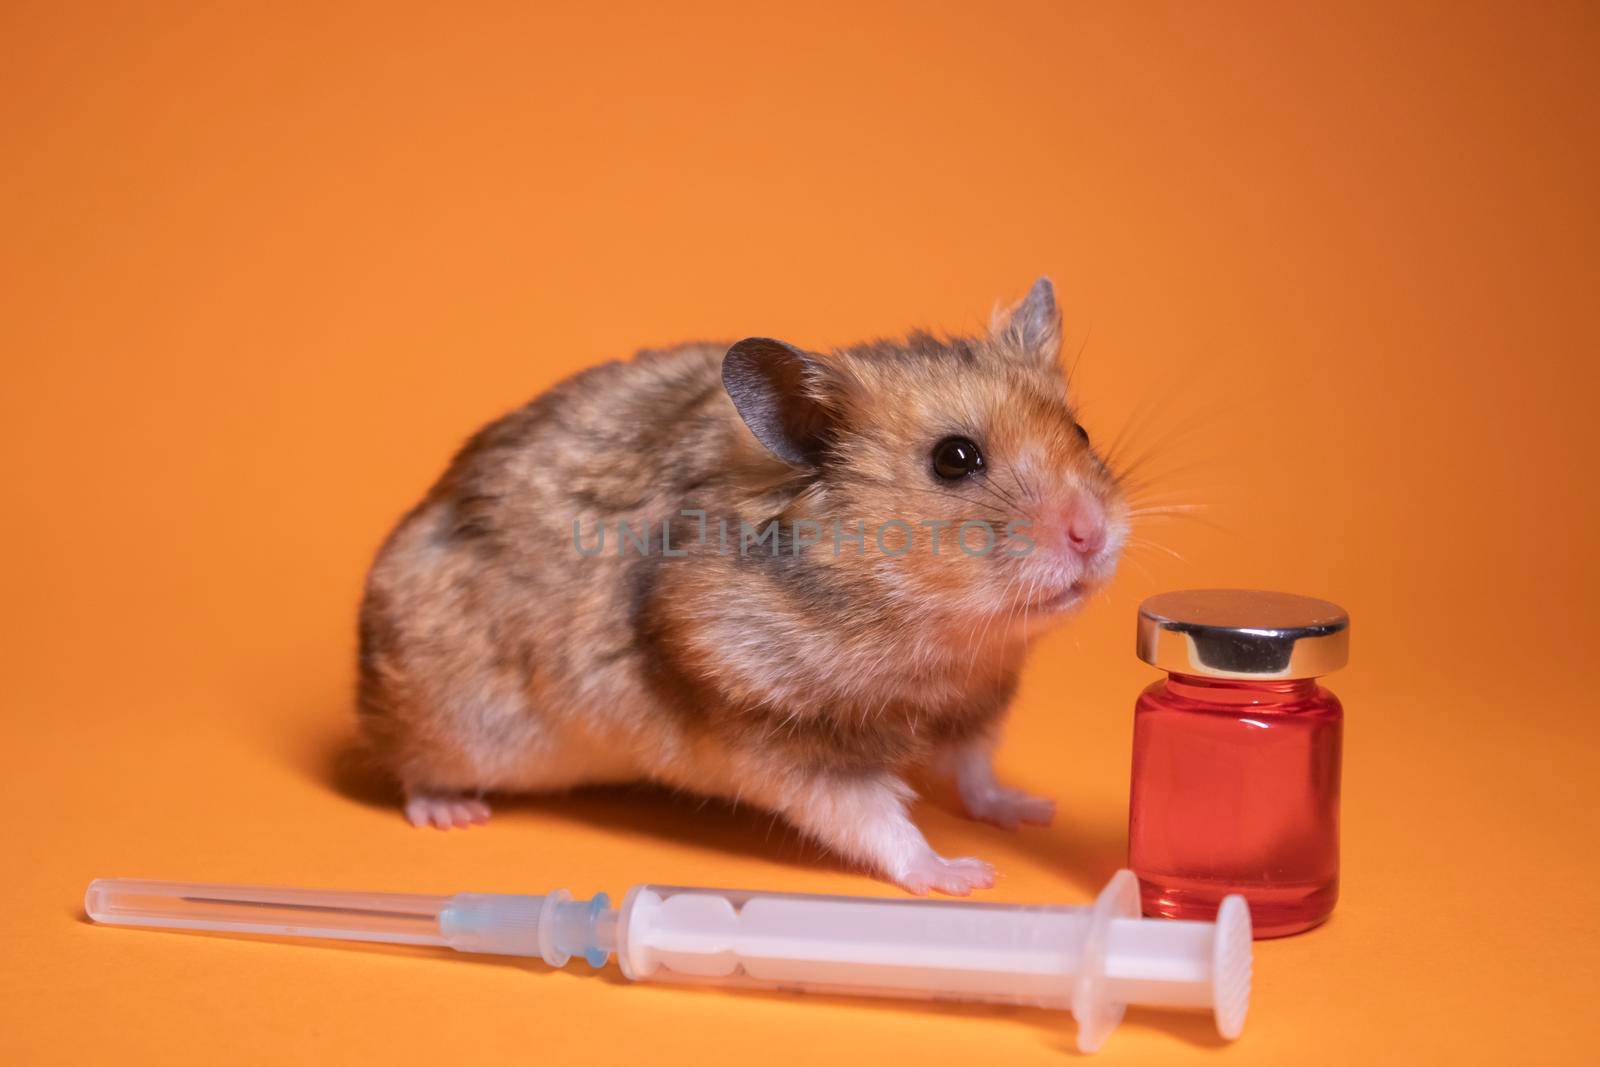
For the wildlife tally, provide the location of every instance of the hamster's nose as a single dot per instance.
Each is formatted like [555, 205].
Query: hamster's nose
[1085, 523]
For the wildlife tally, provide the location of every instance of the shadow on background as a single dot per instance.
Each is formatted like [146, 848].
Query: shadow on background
[672, 816]
[1084, 853]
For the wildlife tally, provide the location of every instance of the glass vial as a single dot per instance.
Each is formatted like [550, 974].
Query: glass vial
[1236, 757]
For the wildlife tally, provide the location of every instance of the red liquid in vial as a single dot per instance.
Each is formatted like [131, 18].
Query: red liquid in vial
[1236, 790]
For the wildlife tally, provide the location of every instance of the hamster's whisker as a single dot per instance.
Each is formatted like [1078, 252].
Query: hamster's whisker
[1137, 562]
[1141, 557]
[1125, 466]
[1027, 605]
[1014, 603]
[1174, 426]
[1186, 513]
[989, 621]
[981, 486]
[1166, 509]
[1167, 512]
[995, 497]
[998, 497]
[994, 490]
[1140, 542]
[1078, 356]
[1128, 469]
[1027, 492]
[1022, 605]
[1163, 498]
[1136, 422]
[947, 495]
[1134, 483]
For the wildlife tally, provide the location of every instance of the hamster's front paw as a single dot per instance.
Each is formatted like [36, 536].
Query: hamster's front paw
[444, 811]
[957, 877]
[1008, 808]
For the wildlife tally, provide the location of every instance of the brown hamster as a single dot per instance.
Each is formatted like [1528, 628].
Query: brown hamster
[752, 572]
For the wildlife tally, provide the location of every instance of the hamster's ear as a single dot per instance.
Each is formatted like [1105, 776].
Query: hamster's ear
[779, 393]
[1032, 327]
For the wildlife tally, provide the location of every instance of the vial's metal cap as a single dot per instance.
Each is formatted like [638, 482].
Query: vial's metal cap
[1243, 633]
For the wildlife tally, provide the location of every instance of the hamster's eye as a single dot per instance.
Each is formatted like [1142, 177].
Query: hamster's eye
[1082, 433]
[956, 457]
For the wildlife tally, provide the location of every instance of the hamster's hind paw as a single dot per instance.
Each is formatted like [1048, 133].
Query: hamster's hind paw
[444, 812]
[1009, 808]
[956, 877]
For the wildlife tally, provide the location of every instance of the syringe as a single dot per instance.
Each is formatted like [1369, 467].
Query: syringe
[1093, 960]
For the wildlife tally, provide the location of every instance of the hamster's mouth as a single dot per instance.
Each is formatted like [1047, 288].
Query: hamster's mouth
[1062, 599]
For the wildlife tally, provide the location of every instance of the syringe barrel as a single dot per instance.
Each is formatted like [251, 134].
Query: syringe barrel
[852, 945]
[1092, 960]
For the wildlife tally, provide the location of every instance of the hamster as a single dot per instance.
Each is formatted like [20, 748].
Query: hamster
[787, 579]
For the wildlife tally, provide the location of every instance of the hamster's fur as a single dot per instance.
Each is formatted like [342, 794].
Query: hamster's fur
[500, 651]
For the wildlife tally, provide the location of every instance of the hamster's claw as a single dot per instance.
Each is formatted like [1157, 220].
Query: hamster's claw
[956, 877]
[444, 812]
[1009, 808]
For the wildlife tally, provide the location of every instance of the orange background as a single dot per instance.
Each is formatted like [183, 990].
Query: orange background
[262, 270]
